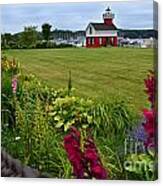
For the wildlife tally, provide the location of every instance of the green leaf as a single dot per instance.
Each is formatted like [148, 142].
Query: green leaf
[57, 118]
[68, 125]
[51, 113]
[59, 124]
[89, 119]
[84, 126]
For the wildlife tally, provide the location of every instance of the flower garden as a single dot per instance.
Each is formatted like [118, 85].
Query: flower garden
[65, 136]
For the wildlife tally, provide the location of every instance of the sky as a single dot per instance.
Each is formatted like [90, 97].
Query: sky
[76, 16]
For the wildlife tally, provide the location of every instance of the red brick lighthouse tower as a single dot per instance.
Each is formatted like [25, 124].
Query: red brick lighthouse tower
[108, 17]
[102, 34]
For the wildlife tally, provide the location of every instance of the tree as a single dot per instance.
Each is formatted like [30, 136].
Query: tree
[6, 39]
[29, 37]
[46, 31]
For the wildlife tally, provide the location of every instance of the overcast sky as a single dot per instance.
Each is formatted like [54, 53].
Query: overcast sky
[76, 16]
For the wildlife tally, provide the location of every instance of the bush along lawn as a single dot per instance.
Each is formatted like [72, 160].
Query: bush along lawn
[66, 136]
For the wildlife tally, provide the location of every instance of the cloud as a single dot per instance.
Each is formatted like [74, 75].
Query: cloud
[76, 16]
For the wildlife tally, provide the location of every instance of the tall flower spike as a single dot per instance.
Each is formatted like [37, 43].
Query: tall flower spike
[75, 156]
[83, 162]
[150, 88]
[14, 84]
[149, 126]
[92, 157]
[149, 114]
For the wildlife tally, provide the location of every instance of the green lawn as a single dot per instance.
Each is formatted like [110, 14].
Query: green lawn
[98, 73]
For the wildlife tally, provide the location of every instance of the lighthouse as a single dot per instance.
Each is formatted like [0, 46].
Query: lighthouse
[108, 17]
[102, 34]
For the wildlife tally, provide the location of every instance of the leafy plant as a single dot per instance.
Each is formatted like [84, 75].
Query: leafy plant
[70, 111]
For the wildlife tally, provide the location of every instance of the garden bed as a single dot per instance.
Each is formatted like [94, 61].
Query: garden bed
[41, 124]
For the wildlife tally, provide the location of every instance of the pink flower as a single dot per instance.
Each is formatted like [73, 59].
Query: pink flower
[14, 84]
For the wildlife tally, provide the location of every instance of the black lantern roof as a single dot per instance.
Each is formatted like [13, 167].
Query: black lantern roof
[108, 9]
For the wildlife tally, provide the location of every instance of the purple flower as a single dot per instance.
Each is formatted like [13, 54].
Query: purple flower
[139, 133]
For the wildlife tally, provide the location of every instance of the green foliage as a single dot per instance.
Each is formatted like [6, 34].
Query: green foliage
[32, 139]
[6, 83]
[137, 33]
[112, 120]
[70, 111]
[46, 31]
[29, 37]
[12, 41]
[142, 165]
[37, 136]
[10, 69]
[114, 115]
[49, 44]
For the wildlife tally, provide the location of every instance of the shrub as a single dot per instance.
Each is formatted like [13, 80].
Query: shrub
[70, 111]
[32, 139]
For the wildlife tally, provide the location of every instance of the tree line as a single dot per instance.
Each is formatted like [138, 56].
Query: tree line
[135, 34]
[32, 38]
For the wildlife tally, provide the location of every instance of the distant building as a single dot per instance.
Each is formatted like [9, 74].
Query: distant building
[149, 43]
[102, 34]
[138, 42]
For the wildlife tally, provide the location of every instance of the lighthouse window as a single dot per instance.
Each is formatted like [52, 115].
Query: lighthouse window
[90, 30]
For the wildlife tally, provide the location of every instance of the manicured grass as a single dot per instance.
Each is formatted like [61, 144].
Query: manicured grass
[98, 73]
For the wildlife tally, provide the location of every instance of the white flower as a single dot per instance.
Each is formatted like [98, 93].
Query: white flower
[7, 124]
[17, 138]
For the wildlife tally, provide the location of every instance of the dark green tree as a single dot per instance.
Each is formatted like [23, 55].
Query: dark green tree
[46, 31]
[29, 37]
[6, 39]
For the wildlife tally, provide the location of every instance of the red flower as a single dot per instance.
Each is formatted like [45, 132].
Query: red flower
[72, 147]
[98, 171]
[149, 125]
[149, 115]
[90, 154]
[83, 162]
[150, 87]
[92, 157]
